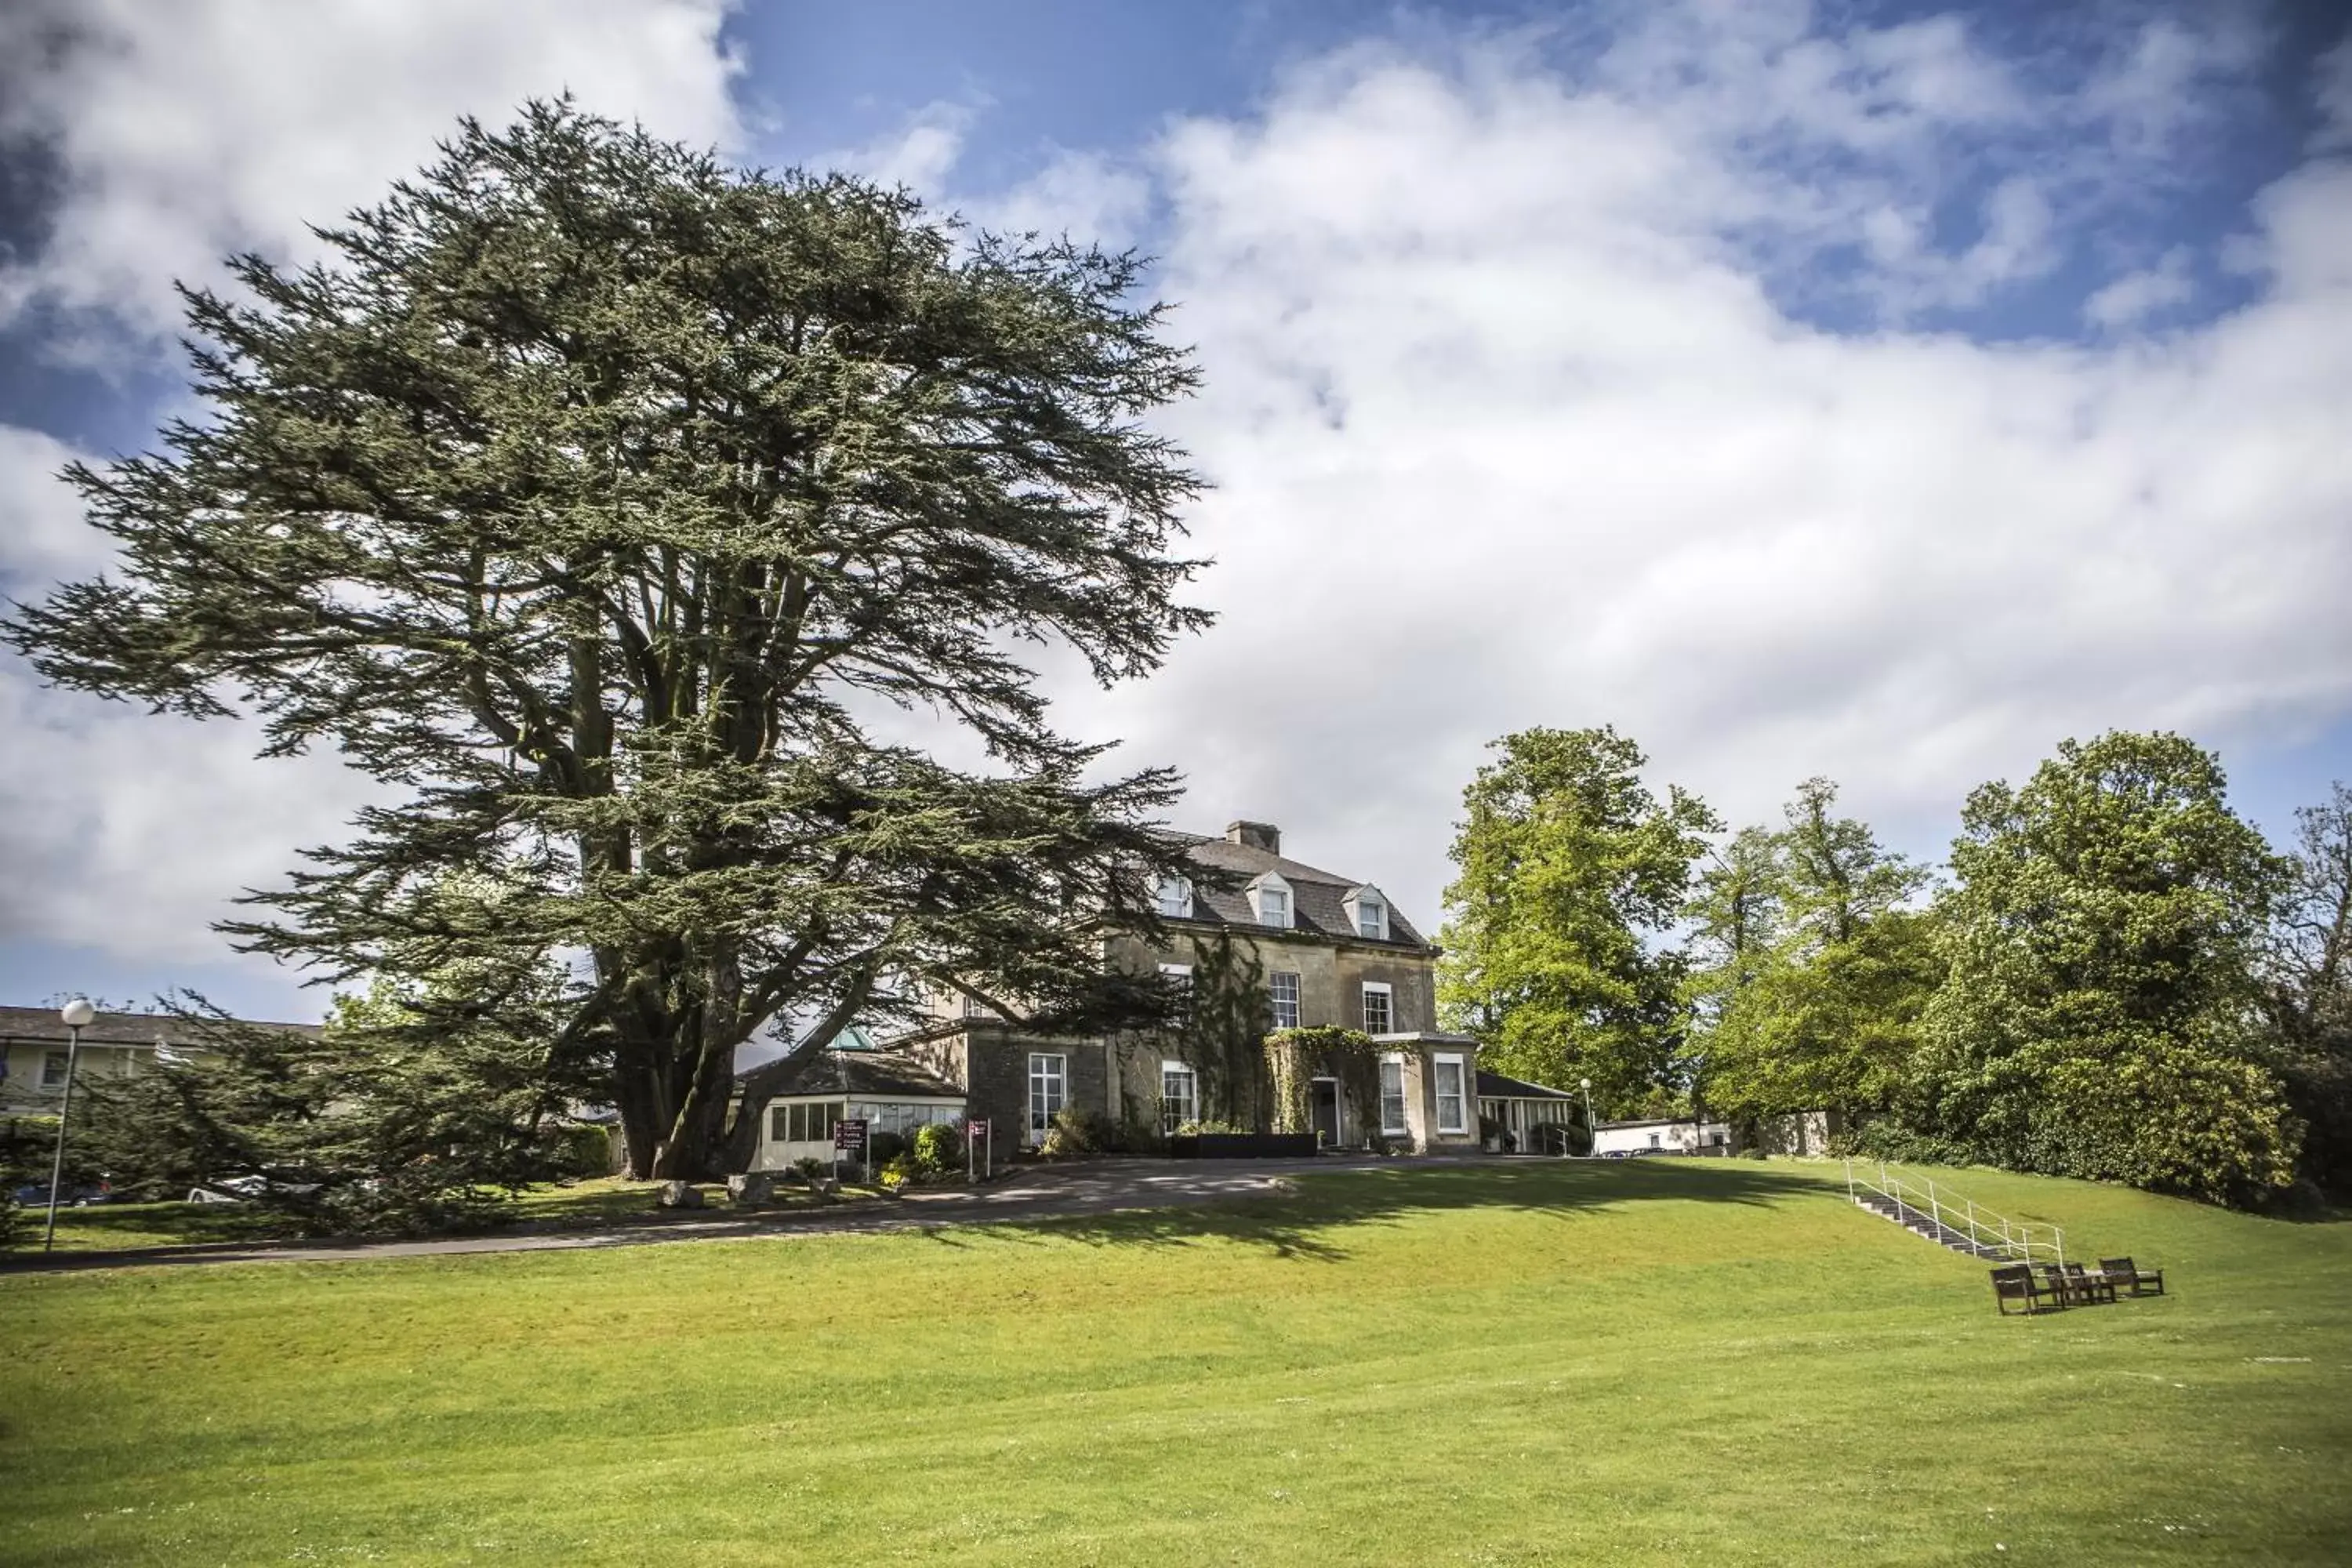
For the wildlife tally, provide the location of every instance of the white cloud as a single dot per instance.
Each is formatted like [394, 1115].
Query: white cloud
[1507, 430]
[186, 131]
[2135, 295]
[919, 153]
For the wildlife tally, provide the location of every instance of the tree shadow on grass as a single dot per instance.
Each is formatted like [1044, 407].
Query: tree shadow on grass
[1303, 1222]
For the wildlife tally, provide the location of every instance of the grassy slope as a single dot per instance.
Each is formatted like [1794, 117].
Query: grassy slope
[1636, 1360]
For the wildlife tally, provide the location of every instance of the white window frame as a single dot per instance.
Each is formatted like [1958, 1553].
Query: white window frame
[62, 1061]
[1271, 883]
[1387, 994]
[1438, 1064]
[1274, 999]
[1367, 900]
[1171, 1116]
[1041, 1116]
[1180, 972]
[1173, 898]
[1394, 1063]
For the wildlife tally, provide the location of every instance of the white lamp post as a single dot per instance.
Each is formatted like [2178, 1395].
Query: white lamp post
[1589, 1125]
[77, 1014]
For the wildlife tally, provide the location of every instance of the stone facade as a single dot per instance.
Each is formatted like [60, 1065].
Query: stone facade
[1335, 937]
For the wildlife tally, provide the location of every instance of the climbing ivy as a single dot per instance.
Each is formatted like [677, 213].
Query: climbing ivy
[1295, 1057]
[1224, 1030]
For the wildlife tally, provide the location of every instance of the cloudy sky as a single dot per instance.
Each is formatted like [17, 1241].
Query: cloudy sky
[1874, 391]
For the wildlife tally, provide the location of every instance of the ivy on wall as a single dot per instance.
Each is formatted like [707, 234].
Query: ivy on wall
[1225, 1031]
[1295, 1058]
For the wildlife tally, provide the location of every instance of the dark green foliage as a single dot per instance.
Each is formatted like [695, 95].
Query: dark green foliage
[2100, 1018]
[1079, 1131]
[2307, 988]
[1571, 876]
[411, 1111]
[592, 496]
[882, 1147]
[1222, 1035]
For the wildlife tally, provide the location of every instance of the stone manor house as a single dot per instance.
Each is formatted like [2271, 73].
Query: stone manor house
[1332, 950]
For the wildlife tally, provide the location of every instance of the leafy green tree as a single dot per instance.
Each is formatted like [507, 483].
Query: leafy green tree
[1823, 1009]
[600, 499]
[1571, 875]
[2099, 1019]
[2308, 985]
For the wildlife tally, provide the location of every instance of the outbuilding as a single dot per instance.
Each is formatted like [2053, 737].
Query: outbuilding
[888, 1090]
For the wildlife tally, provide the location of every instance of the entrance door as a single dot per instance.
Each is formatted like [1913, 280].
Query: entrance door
[1323, 1111]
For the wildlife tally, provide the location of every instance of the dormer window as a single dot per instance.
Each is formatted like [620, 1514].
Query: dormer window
[1270, 898]
[1369, 913]
[1174, 898]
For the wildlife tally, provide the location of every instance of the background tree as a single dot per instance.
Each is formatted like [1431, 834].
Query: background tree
[2100, 1018]
[1824, 1009]
[595, 497]
[1735, 919]
[2307, 976]
[1571, 875]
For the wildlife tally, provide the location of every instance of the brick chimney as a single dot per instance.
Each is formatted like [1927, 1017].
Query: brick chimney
[1263, 835]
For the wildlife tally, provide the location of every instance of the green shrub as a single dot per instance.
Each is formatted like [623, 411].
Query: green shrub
[582, 1150]
[1075, 1132]
[938, 1148]
[810, 1167]
[900, 1171]
[1195, 1129]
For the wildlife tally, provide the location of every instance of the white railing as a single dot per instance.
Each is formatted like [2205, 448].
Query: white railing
[2021, 1241]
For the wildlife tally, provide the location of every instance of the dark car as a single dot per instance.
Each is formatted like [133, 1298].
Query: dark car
[36, 1195]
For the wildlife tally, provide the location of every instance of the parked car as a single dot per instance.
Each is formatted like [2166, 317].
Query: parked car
[36, 1195]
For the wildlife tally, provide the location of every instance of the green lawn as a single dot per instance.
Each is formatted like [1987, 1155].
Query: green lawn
[110, 1228]
[1625, 1361]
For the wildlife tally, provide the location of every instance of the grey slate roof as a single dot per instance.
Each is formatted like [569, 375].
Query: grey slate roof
[872, 1074]
[1495, 1086]
[42, 1025]
[1318, 898]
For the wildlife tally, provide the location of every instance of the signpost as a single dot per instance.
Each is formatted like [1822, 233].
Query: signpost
[974, 1134]
[848, 1138]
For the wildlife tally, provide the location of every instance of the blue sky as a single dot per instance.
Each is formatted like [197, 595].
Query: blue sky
[1877, 391]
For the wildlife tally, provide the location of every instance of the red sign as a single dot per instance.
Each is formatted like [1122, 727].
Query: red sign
[976, 1128]
[848, 1134]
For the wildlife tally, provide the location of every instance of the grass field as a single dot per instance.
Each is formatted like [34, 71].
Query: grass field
[1624, 1362]
[112, 1227]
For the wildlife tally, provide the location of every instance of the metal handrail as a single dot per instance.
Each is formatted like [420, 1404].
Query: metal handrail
[2023, 1241]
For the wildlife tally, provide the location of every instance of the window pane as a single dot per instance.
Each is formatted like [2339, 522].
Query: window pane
[1272, 907]
[1449, 1098]
[1393, 1096]
[1368, 919]
[1046, 1080]
[53, 1069]
[1376, 1011]
[779, 1123]
[1175, 897]
[1284, 991]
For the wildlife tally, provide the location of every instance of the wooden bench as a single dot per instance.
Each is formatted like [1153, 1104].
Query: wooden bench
[2015, 1282]
[2089, 1289]
[2121, 1273]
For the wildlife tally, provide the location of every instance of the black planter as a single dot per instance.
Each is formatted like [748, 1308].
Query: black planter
[1242, 1146]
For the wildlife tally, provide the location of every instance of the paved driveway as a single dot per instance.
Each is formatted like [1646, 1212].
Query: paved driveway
[1031, 1192]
